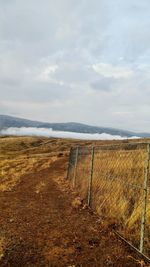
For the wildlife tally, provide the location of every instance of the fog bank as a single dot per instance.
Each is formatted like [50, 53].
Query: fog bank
[30, 131]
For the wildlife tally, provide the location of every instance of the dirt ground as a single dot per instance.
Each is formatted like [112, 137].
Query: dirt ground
[42, 225]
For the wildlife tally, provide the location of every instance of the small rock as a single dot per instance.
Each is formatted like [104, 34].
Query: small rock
[78, 246]
[1, 256]
[77, 202]
[94, 242]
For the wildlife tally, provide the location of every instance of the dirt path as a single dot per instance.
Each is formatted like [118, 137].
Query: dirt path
[41, 227]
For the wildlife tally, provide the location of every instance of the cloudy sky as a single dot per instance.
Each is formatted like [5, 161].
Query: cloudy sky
[76, 60]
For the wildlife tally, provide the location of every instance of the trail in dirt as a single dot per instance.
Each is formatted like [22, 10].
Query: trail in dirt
[42, 228]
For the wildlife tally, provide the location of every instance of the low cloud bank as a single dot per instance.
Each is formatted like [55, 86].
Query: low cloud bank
[30, 131]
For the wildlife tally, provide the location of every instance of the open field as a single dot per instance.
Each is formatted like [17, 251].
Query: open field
[42, 221]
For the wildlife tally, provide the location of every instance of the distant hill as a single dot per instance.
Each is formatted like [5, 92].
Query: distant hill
[9, 121]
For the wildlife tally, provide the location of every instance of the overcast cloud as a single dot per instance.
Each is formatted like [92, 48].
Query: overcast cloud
[76, 60]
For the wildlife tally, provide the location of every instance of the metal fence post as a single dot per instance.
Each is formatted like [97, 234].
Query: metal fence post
[144, 204]
[69, 163]
[75, 167]
[90, 178]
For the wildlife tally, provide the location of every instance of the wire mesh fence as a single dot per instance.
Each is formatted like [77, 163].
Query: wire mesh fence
[114, 181]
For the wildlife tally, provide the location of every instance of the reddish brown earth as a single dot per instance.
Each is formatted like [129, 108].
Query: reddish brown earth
[43, 228]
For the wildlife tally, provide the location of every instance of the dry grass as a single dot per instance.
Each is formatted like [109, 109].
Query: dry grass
[113, 195]
[117, 188]
[13, 169]
[2, 247]
[24, 155]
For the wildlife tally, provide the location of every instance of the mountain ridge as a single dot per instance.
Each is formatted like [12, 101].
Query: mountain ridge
[7, 121]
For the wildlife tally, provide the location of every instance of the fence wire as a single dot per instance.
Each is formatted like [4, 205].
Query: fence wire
[114, 181]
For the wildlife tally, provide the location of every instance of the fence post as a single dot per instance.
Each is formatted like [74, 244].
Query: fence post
[90, 178]
[69, 163]
[75, 167]
[144, 204]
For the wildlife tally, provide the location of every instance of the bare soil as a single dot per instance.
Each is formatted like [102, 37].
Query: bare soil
[40, 226]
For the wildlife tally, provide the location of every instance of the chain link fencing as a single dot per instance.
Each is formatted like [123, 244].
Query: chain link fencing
[114, 181]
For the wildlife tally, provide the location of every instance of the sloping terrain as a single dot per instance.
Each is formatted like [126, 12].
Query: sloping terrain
[43, 222]
[9, 121]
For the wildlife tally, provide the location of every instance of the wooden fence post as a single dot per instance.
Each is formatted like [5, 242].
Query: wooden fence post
[69, 163]
[144, 204]
[90, 178]
[75, 167]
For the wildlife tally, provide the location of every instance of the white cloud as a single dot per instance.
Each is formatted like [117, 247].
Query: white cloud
[109, 70]
[30, 131]
[45, 53]
[45, 74]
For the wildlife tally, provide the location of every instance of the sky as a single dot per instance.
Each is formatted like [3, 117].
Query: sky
[76, 60]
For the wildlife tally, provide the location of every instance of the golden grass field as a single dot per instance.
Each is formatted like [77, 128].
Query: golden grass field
[116, 173]
[18, 156]
[117, 188]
